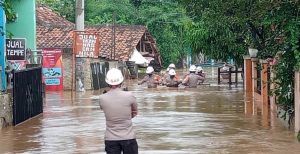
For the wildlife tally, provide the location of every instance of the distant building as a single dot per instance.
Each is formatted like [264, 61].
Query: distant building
[53, 31]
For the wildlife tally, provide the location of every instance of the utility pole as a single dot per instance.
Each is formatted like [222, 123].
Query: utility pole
[79, 11]
[113, 51]
[79, 63]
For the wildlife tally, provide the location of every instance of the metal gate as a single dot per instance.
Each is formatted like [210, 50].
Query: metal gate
[27, 94]
[99, 71]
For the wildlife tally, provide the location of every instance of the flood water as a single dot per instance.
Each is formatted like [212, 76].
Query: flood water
[209, 119]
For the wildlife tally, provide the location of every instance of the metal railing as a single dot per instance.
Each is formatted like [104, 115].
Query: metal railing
[27, 94]
[228, 74]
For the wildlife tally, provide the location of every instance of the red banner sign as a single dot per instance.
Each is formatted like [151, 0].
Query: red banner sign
[52, 69]
[86, 44]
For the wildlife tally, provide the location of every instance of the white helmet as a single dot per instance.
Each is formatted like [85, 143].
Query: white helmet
[114, 77]
[149, 70]
[192, 68]
[172, 72]
[199, 68]
[172, 66]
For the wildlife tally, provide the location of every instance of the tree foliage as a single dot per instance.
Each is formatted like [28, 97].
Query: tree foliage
[225, 28]
[165, 19]
[9, 10]
[65, 8]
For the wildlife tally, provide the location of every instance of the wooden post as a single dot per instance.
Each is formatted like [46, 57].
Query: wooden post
[230, 70]
[264, 87]
[248, 74]
[236, 74]
[219, 74]
[297, 101]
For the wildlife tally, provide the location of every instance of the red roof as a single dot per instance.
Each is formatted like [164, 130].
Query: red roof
[54, 31]
[126, 39]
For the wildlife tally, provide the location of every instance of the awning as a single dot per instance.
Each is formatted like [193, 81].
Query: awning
[138, 58]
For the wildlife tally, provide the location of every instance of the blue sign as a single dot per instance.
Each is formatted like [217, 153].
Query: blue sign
[52, 72]
[52, 82]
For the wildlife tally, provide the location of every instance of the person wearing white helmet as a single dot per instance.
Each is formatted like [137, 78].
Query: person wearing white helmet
[192, 79]
[119, 108]
[151, 79]
[172, 80]
[199, 71]
[166, 75]
[172, 66]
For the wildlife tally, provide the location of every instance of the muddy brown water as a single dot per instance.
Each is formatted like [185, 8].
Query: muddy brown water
[209, 119]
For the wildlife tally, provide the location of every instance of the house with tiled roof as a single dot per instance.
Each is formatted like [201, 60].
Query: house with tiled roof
[117, 43]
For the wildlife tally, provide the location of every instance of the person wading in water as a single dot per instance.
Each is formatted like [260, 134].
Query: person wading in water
[166, 75]
[172, 80]
[199, 71]
[191, 80]
[151, 79]
[119, 108]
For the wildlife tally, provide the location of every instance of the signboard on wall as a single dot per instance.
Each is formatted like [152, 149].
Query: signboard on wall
[52, 69]
[16, 49]
[17, 64]
[86, 44]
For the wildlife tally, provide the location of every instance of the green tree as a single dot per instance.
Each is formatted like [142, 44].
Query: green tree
[65, 8]
[166, 21]
[223, 29]
[101, 12]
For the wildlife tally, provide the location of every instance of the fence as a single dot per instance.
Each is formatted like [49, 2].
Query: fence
[228, 74]
[27, 94]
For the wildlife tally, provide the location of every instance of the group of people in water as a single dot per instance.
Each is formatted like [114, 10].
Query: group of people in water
[195, 77]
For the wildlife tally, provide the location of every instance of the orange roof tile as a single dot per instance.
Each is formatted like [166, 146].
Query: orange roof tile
[54, 31]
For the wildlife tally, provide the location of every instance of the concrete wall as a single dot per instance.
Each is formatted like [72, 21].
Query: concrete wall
[67, 68]
[6, 112]
[25, 24]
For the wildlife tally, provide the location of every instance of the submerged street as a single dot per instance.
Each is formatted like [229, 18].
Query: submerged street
[209, 119]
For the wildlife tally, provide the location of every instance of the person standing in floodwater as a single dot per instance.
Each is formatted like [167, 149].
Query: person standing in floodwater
[172, 80]
[199, 71]
[119, 108]
[166, 75]
[191, 80]
[152, 79]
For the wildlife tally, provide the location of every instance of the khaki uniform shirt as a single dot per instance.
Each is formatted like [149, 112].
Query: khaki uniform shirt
[192, 80]
[119, 107]
[152, 81]
[172, 82]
